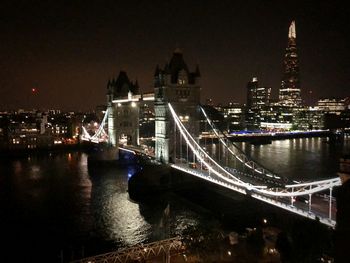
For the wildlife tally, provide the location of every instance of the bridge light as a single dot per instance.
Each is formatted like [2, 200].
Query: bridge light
[133, 104]
[119, 104]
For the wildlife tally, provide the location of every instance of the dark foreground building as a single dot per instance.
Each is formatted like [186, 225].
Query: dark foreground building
[342, 229]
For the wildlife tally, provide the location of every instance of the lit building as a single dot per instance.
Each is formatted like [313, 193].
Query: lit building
[309, 119]
[147, 119]
[333, 105]
[290, 92]
[26, 130]
[258, 99]
[234, 116]
[276, 117]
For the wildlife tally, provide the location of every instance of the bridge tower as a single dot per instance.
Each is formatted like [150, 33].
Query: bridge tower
[123, 111]
[175, 84]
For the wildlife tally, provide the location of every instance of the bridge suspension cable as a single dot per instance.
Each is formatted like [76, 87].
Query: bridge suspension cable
[288, 190]
[200, 152]
[100, 135]
[277, 196]
[240, 156]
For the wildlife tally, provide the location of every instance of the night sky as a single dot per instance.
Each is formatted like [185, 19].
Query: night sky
[67, 50]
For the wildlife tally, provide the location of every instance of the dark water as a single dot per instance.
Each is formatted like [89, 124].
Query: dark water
[52, 205]
[300, 159]
[304, 159]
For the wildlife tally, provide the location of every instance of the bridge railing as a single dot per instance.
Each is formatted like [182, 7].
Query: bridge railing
[138, 253]
[277, 195]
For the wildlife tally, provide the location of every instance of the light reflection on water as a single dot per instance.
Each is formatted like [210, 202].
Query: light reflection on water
[58, 202]
[304, 159]
[122, 220]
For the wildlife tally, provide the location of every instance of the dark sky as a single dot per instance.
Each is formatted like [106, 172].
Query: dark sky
[69, 49]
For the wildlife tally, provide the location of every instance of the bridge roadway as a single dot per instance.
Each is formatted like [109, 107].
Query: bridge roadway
[314, 208]
[318, 208]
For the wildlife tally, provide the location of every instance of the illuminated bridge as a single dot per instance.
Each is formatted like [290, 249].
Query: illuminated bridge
[100, 134]
[177, 117]
[243, 175]
[309, 199]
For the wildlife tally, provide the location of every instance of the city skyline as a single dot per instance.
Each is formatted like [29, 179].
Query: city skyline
[67, 52]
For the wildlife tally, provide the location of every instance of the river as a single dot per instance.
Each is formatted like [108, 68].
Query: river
[53, 209]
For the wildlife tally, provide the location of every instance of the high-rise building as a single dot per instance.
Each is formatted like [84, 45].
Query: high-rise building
[257, 97]
[234, 116]
[252, 86]
[290, 92]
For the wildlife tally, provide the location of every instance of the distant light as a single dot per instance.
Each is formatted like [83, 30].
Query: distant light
[229, 253]
[34, 90]
[265, 221]
[133, 104]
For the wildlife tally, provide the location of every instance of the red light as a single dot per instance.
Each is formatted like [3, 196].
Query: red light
[33, 90]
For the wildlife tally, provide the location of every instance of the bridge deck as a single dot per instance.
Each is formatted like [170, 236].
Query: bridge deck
[318, 208]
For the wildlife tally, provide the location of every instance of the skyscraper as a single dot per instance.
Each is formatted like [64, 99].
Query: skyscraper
[257, 97]
[290, 92]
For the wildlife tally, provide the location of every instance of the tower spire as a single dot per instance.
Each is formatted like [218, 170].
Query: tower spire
[290, 92]
[292, 33]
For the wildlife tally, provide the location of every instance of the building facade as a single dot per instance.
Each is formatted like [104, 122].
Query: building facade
[257, 97]
[258, 100]
[333, 105]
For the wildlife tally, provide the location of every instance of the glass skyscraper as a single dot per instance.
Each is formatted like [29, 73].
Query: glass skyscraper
[290, 92]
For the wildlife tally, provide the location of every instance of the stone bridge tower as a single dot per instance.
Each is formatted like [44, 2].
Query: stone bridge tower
[123, 118]
[175, 84]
